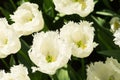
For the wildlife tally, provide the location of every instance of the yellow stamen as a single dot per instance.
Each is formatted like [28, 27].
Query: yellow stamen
[81, 44]
[116, 25]
[82, 2]
[50, 58]
[5, 41]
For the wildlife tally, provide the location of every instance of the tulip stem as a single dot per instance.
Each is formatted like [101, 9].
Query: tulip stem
[83, 67]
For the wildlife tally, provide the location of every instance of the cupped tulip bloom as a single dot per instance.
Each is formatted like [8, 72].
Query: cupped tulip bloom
[80, 36]
[27, 19]
[9, 40]
[49, 52]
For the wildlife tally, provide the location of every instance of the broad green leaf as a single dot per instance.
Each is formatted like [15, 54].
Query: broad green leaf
[100, 25]
[103, 34]
[113, 53]
[105, 39]
[48, 8]
[5, 12]
[99, 22]
[73, 74]
[23, 54]
[107, 3]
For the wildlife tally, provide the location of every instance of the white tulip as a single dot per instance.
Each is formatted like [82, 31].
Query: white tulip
[114, 64]
[117, 37]
[115, 24]
[110, 70]
[28, 19]
[17, 72]
[80, 7]
[49, 52]
[9, 40]
[80, 36]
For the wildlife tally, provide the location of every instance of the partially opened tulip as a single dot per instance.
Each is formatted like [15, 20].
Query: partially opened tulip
[115, 24]
[27, 19]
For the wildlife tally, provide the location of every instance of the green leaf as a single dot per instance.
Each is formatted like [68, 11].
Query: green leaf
[23, 55]
[104, 35]
[113, 53]
[5, 12]
[105, 39]
[12, 61]
[99, 21]
[73, 74]
[107, 3]
[106, 12]
[48, 8]
[45, 28]
[13, 4]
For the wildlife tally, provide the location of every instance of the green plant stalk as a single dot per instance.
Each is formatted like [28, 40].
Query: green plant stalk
[83, 68]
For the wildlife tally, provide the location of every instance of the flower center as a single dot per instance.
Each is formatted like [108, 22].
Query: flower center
[116, 25]
[26, 16]
[50, 58]
[81, 44]
[82, 2]
[3, 40]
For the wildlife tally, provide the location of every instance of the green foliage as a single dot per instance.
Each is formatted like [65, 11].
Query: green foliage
[111, 53]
